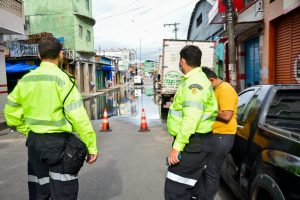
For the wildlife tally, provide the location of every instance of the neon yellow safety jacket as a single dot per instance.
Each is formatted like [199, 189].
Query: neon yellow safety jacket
[36, 104]
[193, 110]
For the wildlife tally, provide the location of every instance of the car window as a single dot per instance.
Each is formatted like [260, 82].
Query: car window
[244, 98]
[248, 108]
[284, 111]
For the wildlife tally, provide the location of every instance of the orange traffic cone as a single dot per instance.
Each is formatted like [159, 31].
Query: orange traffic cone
[105, 124]
[144, 126]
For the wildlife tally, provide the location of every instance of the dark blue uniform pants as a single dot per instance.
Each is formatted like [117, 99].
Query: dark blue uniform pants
[182, 177]
[46, 178]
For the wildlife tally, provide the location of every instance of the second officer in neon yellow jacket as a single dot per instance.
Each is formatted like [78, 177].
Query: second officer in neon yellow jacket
[190, 121]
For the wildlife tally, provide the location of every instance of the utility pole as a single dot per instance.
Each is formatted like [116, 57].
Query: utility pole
[231, 42]
[175, 28]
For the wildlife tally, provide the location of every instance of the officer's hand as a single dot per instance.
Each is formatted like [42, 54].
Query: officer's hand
[173, 157]
[92, 158]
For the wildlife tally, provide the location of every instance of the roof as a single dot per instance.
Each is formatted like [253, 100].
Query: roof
[193, 17]
[91, 21]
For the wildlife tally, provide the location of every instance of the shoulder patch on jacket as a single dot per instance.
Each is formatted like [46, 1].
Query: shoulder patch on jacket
[199, 87]
[194, 88]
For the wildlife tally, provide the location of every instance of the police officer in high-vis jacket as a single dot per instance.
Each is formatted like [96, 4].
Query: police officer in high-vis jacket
[47, 107]
[190, 121]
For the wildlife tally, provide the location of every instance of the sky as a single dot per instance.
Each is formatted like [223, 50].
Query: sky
[134, 23]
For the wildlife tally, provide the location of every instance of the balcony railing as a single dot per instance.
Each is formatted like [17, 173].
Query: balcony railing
[13, 6]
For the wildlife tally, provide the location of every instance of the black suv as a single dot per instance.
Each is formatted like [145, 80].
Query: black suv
[264, 163]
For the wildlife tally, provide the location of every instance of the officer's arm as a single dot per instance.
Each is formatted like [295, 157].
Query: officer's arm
[77, 115]
[192, 110]
[13, 111]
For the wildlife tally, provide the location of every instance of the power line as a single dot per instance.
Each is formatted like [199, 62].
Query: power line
[130, 11]
[119, 9]
[146, 23]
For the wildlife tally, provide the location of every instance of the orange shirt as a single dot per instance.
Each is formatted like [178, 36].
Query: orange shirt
[227, 99]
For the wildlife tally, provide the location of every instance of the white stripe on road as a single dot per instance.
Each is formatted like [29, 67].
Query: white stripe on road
[35, 179]
[180, 179]
[62, 177]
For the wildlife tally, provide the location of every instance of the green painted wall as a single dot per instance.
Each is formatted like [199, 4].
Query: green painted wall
[47, 7]
[81, 44]
[80, 7]
[61, 25]
[57, 17]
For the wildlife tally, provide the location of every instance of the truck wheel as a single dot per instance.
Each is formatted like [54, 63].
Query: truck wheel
[264, 187]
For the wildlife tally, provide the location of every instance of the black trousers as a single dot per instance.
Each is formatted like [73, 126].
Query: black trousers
[208, 185]
[182, 177]
[46, 177]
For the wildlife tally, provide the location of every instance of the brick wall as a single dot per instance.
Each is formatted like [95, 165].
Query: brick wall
[3, 82]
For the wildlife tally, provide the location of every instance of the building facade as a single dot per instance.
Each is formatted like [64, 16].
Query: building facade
[72, 22]
[199, 27]
[126, 61]
[281, 60]
[11, 23]
[267, 37]
[249, 41]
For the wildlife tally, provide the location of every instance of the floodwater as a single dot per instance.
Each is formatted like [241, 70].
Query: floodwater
[125, 103]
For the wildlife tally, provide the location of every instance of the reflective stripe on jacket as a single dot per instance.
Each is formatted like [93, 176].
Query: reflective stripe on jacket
[194, 108]
[36, 104]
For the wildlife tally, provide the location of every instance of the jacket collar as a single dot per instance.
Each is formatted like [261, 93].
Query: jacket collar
[47, 64]
[193, 72]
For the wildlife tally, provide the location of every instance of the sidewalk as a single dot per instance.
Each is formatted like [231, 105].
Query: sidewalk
[103, 91]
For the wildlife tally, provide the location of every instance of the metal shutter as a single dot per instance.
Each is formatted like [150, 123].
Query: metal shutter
[252, 61]
[296, 45]
[287, 47]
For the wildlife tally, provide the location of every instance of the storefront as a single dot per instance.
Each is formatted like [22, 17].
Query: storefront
[287, 48]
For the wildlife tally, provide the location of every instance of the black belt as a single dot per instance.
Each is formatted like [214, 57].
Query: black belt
[61, 134]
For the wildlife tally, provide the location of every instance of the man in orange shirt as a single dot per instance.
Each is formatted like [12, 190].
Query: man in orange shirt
[222, 139]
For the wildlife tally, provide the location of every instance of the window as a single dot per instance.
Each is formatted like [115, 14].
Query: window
[199, 20]
[248, 108]
[88, 36]
[80, 31]
[284, 110]
[87, 3]
[243, 100]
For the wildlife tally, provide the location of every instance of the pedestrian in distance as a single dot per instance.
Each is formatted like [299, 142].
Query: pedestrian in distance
[223, 136]
[189, 121]
[46, 106]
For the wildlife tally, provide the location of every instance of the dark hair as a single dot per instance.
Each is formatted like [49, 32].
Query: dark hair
[49, 48]
[209, 73]
[192, 55]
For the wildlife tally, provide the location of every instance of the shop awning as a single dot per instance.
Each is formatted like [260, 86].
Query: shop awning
[19, 67]
[243, 27]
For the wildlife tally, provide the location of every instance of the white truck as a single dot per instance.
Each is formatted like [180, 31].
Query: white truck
[171, 74]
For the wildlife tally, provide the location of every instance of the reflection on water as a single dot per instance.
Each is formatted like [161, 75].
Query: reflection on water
[126, 102]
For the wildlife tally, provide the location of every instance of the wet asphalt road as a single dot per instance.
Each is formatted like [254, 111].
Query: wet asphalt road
[131, 165]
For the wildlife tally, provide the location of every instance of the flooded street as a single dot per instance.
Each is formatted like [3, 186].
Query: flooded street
[126, 104]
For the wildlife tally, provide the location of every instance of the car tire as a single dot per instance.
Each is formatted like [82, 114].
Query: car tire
[264, 187]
